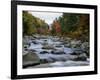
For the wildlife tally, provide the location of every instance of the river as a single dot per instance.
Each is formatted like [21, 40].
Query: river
[54, 51]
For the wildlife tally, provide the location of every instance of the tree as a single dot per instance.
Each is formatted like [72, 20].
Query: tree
[75, 25]
[32, 24]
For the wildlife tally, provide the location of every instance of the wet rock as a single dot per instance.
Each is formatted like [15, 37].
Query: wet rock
[26, 49]
[34, 42]
[24, 52]
[81, 57]
[26, 46]
[77, 51]
[45, 40]
[44, 43]
[53, 59]
[50, 59]
[33, 38]
[85, 48]
[31, 50]
[57, 52]
[44, 52]
[43, 61]
[52, 52]
[58, 46]
[63, 59]
[67, 45]
[36, 36]
[58, 59]
[47, 47]
[74, 53]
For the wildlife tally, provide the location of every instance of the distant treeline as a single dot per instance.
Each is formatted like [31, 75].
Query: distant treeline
[69, 24]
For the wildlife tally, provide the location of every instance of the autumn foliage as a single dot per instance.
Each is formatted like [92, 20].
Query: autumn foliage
[68, 25]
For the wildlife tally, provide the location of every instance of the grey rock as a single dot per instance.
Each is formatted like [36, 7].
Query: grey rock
[47, 47]
[85, 46]
[30, 59]
[81, 57]
[75, 43]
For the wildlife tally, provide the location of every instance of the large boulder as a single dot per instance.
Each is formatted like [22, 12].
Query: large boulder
[30, 59]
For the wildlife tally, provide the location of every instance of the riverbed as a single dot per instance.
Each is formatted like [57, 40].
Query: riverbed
[53, 51]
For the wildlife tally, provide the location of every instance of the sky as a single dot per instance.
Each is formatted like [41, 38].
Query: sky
[47, 16]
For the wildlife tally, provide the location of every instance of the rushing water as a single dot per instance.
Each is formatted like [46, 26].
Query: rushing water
[51, 43]
[37, 45]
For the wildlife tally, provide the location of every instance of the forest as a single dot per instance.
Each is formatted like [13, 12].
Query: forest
[71, 25]
[32, 24]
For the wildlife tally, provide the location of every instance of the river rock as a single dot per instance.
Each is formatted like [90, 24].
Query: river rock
[85, 48]
[31, 50]
[57, 52]
[43, 61]
[50, 59]
[30, 59]
[44, 52]
[36, 36]
[77, 51]
[59, 48]
[74, 53]
[34, 42]
[75, 43]
[81, 57]
[26, 45]
[44, 43]
[67, 45]
[47, 47]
